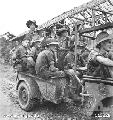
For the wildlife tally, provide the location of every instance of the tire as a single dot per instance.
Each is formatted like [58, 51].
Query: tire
[26, 100]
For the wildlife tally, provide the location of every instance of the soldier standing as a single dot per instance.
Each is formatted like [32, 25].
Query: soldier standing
[63, 38]
[32, 26]
[53, 31]
[69, 66]
[70, 58]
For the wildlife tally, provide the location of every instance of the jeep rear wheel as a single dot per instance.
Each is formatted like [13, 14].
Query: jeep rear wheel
[26, 100]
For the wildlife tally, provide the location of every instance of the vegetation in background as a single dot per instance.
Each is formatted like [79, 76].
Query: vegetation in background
[5, 47]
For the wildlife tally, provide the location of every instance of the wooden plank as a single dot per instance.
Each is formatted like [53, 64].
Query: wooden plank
[96, 28]
[92, 77]
[101, 11]
[89, 37]
[98, 80]
[72, 12]
[83, 20]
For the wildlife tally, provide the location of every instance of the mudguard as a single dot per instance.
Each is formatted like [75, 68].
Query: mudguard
[30, 81]
[101, 92]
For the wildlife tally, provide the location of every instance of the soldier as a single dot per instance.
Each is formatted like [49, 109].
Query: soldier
[70, 58]
[99, 63]
[52, 31]
[45, 62]
[69, 66]
[34, 50]
[32, 26]
[63, 38]
[20, 56]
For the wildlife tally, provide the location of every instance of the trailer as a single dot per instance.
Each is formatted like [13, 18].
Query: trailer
[32, 90]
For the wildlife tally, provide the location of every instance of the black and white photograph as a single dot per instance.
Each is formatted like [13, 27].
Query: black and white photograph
[56, 60]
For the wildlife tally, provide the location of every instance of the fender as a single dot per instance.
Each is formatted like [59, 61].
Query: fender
[31, 83]
[101, 94]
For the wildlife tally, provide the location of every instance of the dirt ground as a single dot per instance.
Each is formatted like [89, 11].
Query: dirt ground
[10, 109]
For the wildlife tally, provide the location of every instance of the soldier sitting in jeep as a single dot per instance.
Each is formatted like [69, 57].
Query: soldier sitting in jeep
[99, 64]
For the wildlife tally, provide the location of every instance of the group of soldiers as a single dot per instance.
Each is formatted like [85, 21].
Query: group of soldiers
[35, 41]
[39, 54]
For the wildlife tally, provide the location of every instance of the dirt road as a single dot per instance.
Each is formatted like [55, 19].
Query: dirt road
[10, 109]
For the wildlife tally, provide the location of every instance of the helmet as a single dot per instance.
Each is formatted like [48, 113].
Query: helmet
[102, 36]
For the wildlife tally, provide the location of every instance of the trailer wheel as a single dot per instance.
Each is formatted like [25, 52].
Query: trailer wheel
[26, 100]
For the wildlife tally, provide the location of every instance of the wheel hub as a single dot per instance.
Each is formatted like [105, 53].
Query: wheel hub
[24, 95]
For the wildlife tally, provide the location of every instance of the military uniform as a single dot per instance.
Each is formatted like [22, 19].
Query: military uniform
[63, 38]
[20, 56]
[33, 53]
[63, 42]
[95, 68]
[22, 60]
[70, 61]
[35, 49]
[43, 61]
[29, 36]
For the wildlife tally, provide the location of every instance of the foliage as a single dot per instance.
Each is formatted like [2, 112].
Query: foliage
[5, 48]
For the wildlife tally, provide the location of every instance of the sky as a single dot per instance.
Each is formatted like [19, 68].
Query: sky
[15, 13]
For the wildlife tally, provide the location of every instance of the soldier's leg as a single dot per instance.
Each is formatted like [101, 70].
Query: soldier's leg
[73, 84]
[24, 64]
[31, 65]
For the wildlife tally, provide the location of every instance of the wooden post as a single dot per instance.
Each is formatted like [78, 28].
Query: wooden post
[105, 17]
[76, 42]
[93, 24]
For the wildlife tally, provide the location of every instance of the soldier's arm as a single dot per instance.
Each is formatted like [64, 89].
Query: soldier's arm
[51, 61]
[32, 52]
[52, 67]
[68, 62]
[17, 53]
[105, 61]
[14, 55]
[28, 36]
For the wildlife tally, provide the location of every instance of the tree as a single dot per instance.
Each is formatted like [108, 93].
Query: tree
[6, 46]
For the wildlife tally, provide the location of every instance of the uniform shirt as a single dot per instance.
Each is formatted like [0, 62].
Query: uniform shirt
[29, 36]
[34, 52]
[43, 61]
[21, 52]
[94, 67]
[63, 42]
[70, 60]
